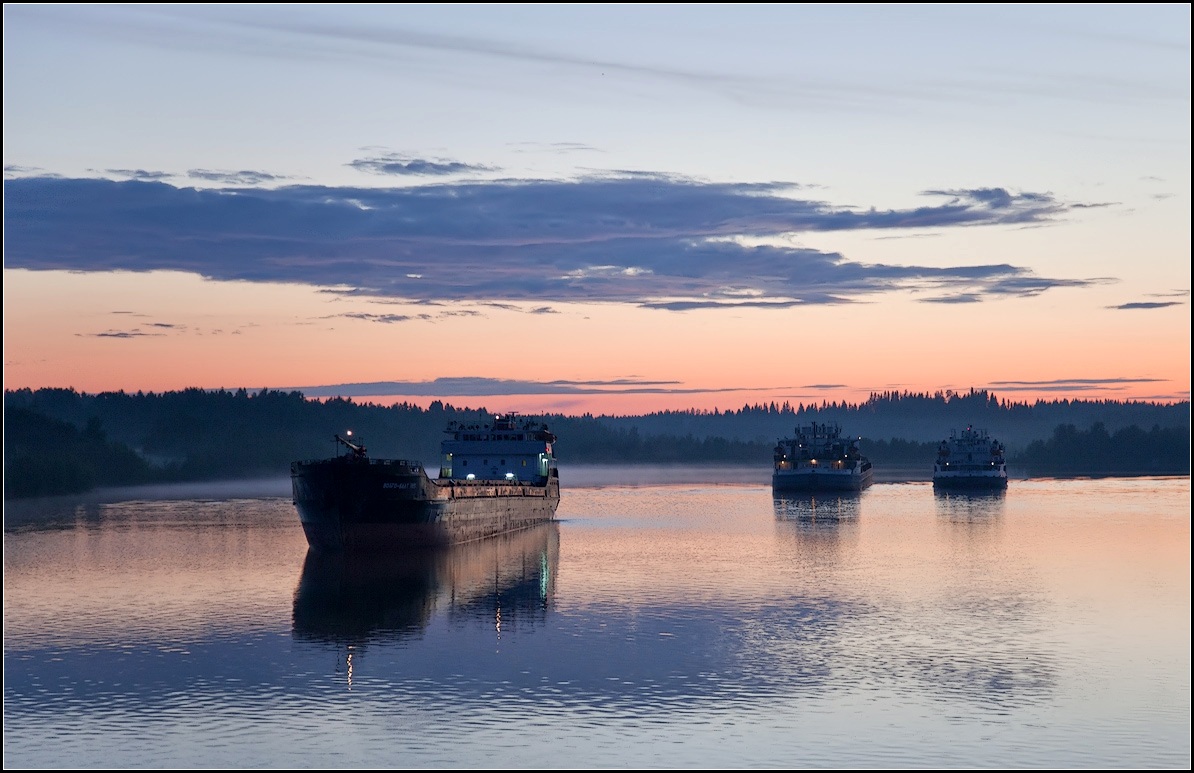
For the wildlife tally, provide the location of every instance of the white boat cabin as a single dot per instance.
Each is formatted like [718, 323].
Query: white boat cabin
[505, 450]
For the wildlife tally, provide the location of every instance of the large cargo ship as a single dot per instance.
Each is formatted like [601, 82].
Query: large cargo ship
[970, 459]
[818, 458]
[494, 478]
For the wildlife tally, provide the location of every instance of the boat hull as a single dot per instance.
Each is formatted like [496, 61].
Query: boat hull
[821, 480]
[385, 504]
[963, 481]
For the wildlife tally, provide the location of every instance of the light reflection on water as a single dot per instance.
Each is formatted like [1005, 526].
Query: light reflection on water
[683, 624]
[355, 600]
[810, 508]
[970, 506]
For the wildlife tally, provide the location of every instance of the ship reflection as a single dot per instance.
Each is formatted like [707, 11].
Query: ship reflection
[354, 599]
[977, 506]
[828, 508]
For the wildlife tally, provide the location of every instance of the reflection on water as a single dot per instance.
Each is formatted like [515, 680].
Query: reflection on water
[49, 514]
[805, 506]
[653, 626]
[970, 506]
[818, 525]
[352, 599]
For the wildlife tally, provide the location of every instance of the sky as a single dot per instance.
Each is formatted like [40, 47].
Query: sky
[599, 209]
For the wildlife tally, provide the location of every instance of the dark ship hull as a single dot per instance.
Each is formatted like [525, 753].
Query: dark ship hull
[824, 480]
[970, 482]
[359, 504]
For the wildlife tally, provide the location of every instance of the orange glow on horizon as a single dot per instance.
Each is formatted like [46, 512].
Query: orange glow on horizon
[167, 331]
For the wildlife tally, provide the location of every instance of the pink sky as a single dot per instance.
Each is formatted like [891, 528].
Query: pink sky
[66, 330]
[607, 209]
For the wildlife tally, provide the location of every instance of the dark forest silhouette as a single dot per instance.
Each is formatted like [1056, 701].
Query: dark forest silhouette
[64, 441]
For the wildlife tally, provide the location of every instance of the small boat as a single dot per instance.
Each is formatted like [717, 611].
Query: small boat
[970, 459]
[818, 458]
[494, 478]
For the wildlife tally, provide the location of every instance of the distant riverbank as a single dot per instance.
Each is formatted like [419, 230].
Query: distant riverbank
[664, 474]
[571, 476]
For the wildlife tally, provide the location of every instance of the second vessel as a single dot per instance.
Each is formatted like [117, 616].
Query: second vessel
[818, 458]
[970, 459]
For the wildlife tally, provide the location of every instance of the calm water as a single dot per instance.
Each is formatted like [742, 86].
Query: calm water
[701, 623]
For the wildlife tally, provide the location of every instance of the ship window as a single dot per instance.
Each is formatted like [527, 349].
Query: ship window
[464, 462]
[503, 462]
[524, 462]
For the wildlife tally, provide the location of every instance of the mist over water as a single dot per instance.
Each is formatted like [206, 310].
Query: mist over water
[665, 620]
[590, 475]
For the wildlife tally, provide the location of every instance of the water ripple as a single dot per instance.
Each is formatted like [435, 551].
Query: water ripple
[688, 625]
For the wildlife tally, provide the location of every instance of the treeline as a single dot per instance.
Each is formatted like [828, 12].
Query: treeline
[921, 417]
[63, 441]
[1129, 451]
[44, 456]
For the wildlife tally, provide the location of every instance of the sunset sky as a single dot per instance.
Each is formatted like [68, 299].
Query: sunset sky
[607, 209]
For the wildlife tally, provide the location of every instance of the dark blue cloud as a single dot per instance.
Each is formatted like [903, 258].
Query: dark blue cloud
[399, 164]
[820, 300]
[139, 174]
[395, 318]
[1071, 384]
[470, 386]
[520, 309]
[649, 240]
[120, 334]
[1081, 381]
[388, 319]
[240, 177]
[1145, 305]
[960, 298]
